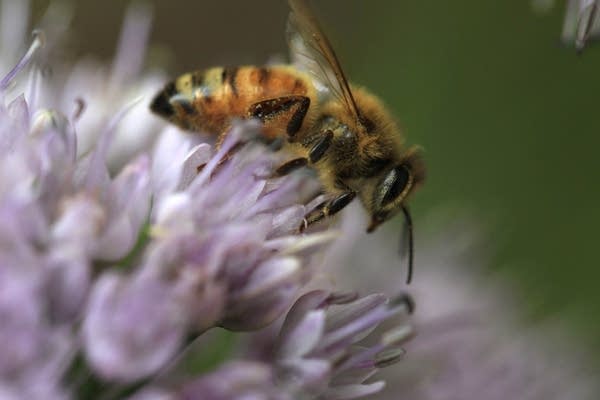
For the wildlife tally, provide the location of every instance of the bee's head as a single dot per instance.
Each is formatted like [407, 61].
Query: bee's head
[392, 187]
[388, 192]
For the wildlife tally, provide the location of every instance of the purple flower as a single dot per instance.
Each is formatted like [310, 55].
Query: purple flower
[329, 347]
[231, 232]
[124, 241]
[34, 352]
[134, 326]
[470, 339]
[236, 380]
[322, 348]
[116, 255]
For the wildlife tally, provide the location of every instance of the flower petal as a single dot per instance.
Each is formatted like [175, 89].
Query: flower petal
[304, 337]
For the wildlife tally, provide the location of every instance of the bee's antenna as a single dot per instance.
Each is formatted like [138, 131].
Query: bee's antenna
[408, 229]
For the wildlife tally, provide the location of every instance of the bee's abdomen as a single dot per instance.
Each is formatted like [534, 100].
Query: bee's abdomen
[208, 100]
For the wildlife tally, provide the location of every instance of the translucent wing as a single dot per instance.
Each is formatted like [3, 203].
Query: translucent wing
[310, 49]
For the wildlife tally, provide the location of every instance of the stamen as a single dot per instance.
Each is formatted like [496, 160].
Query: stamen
[80, 106]
[38, 42]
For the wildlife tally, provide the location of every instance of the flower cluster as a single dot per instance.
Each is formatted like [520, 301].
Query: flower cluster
[471, 340]
[116, 256]
[125, 244]
[319, 352]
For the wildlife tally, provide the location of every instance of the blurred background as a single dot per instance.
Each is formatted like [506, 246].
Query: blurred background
[506, 114]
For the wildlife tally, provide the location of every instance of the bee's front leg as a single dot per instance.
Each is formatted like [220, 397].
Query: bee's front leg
[294, 106]
[327, 208]
[316, 152]
[290, 166]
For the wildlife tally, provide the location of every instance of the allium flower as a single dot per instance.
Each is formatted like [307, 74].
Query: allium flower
[319, 347]
[321, 351]
[117, 254]
[470, 341]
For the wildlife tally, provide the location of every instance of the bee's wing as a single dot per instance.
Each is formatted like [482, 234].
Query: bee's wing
[582, 23]
[310, 50]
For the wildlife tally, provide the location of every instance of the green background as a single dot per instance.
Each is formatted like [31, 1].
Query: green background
[507, 115]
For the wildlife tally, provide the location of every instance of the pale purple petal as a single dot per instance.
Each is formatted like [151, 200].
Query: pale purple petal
[15, 122]
[355, 310]
[287, 221]
[349, 392]
[304, 305]
[239, 380]
[198, 156]
[129, 208]
[132, 327]
[304, 337]
[13, 27]
[261, 311]
[67, 285]
[171, 147]
[132, 45]
[79, 222]
[305, 375]
[268, 276]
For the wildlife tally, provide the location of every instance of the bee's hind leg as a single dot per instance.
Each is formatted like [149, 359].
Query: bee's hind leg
[294, 106]
[327, 208]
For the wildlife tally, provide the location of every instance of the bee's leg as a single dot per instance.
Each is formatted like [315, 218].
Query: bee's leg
[327, 208]
[290, 166]
[316, 152]
[321, 146]
[269, 109]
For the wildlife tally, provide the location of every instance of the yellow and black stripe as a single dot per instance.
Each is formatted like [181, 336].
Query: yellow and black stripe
[207, 100]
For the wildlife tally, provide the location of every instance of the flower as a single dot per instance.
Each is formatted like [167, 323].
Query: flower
[120, 253]
[470, 340]
[580, 23]
[246, 247]
[321, 351]
[117, 255]
[235, 380]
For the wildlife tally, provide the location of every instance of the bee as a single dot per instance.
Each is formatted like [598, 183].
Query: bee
[340, 130]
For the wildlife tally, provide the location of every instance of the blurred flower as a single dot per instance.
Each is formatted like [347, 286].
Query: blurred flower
[581, 23]
[132, 327]
[470, 340]
[235, 380]
[123, 242]
[110, 266]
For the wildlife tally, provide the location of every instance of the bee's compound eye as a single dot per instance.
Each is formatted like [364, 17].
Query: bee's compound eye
[395, 183]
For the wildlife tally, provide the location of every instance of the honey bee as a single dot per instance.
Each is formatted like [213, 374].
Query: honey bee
[340, 130]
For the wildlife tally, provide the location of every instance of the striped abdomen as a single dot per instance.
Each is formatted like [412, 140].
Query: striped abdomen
[208, 100]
